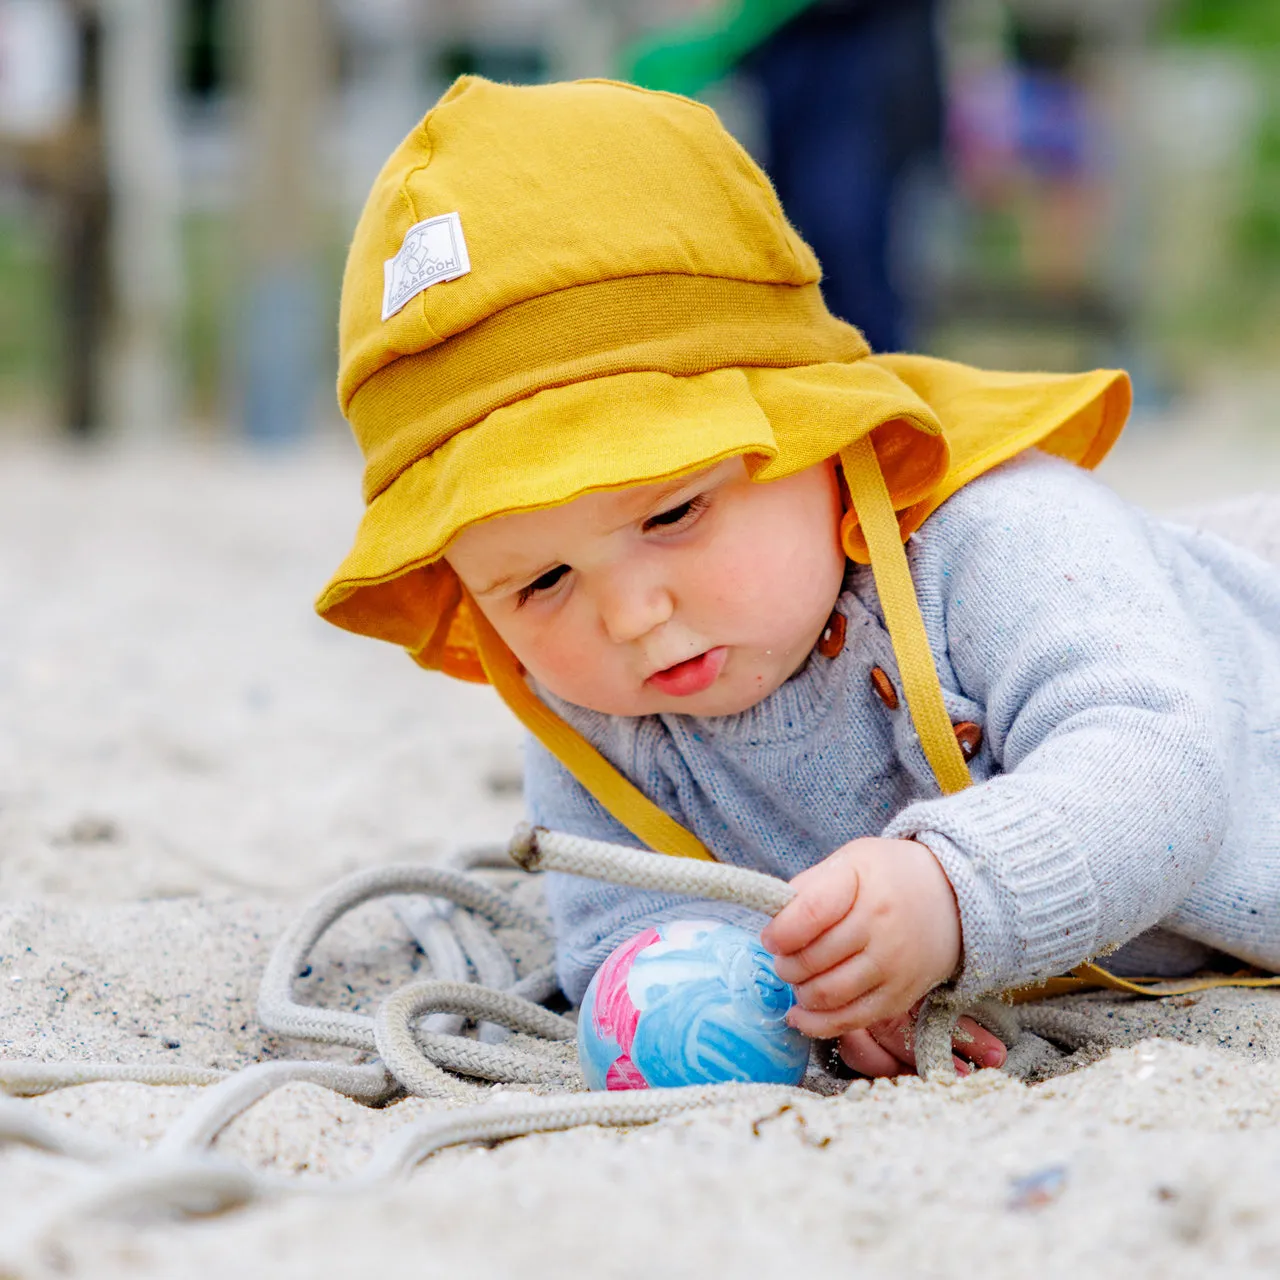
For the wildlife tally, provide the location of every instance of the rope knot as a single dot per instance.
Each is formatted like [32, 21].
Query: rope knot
[523, 849]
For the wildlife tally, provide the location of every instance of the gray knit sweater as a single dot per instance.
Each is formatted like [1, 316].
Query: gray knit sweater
[1125, 673]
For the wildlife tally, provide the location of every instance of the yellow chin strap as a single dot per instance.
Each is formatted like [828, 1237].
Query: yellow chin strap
[870, 497]
[1089, 977]
[656, 828]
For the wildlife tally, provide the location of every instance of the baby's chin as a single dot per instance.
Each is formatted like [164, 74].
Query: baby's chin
[706, 706]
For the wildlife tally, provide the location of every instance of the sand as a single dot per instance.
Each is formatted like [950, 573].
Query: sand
[187, 754]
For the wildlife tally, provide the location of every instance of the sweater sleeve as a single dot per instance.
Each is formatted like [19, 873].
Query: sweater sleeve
[1108, 796]
[591, 917]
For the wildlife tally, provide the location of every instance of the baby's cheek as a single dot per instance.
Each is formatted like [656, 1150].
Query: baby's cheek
[578, 669]
[727, 574]
[760, 586]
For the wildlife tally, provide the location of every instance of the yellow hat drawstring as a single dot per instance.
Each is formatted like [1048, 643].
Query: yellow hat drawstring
[1089, 977]
[879, 524]
[653, 826]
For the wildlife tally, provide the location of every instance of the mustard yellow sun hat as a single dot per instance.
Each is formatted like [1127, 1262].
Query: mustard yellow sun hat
[571, 287]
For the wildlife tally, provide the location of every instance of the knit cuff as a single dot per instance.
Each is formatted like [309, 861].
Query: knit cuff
[1028, 904]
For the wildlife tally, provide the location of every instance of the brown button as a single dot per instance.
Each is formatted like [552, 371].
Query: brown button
[969, 736]
[831, 641]
[884, 687]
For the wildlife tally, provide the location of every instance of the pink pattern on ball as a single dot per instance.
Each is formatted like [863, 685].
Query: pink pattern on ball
[615, 1016]
[624, 1074]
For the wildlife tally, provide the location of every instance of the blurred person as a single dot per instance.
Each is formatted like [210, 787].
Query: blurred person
[1026, 137]
[624, 464]
[852, 106]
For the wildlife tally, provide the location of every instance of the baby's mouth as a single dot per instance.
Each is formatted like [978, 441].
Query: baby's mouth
[691, 676]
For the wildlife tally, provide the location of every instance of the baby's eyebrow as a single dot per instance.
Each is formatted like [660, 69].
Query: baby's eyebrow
[495, 584]
[508, 579]
[518, 577]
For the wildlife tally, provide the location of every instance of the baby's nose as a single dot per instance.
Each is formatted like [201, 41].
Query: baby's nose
[630, 608]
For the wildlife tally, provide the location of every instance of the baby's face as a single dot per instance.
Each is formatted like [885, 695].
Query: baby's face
[698, 596]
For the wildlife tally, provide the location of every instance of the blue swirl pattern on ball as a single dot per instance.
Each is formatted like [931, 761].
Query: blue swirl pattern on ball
[688, 1002]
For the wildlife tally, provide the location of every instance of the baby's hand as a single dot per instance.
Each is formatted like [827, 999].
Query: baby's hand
[872, 929]
[886, 1048]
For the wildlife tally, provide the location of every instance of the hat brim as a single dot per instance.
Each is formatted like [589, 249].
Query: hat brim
[934, 425]
[606, 433]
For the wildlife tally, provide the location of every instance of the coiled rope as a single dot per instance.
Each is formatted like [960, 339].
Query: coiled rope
[417, 1037]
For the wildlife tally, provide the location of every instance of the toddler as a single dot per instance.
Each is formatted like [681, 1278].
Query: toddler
[623, 464]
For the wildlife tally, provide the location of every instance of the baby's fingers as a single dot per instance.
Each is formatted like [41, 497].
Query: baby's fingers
[852, 994]
[872, 1005]
[969, 1041]
[844, 939]
[978, 1044]
[824, 895]
[863, 1054]
[841, 985]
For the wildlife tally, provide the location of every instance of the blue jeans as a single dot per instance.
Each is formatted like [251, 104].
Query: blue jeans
[852, 101]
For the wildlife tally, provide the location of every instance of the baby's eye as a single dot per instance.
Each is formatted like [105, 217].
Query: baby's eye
[676, 515]
[543, 583]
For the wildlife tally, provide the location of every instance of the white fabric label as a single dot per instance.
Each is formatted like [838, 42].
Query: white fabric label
[433, 251]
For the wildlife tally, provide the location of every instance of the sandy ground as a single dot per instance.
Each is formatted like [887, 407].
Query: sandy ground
[187, 754]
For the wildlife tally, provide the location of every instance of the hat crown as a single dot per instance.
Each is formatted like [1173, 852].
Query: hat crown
[556, 186]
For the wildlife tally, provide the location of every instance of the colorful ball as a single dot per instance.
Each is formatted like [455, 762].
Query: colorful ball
[688, 1002]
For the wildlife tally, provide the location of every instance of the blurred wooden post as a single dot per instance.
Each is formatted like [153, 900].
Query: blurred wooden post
[141, 143]
[62, 157]
[83, 202]
[285, 77]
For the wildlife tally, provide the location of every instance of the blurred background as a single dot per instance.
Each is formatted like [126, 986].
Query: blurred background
[1017, 183]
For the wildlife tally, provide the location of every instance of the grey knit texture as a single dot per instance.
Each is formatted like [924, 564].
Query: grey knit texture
[1125, 673]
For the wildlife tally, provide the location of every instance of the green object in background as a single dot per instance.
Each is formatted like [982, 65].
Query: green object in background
[1260, 223]
[1251, 28]
[689, 56]
[1253, 25]
[28, 338]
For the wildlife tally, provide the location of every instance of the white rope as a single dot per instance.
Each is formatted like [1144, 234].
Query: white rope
[935, 1026]
[416, 1059]
[430, 922]
[201, 1123]
[191, 1186]
[21, 1079]
[497, 1122]
[537, 849]
[493, 967]
[277, 1009]
[417, 1035]
[21, 1125]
